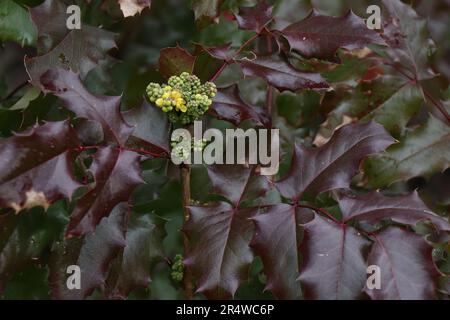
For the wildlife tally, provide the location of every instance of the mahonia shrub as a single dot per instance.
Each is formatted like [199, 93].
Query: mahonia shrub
[87, 180]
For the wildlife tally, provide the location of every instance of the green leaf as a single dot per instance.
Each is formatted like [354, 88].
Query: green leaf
[422, 153]
[31, 94]
[15, 24]
[396, 111]
[24, 238]
[407, 38]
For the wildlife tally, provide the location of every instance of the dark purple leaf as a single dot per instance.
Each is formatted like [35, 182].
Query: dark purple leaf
[228, 105]
[223, 52]
[116, 173]
[67, 86]
[333, 264]
[315, 170]
[406, 267]
[220, 256]
[255, 18]
[220, 234]
[174, 61]
[131, 269]
[281, 74]
[35, 166]
[48, 18]
[277, 239]
[320, 36]
[151, 129]
[59, 47]
[92, 254]
[374, 207]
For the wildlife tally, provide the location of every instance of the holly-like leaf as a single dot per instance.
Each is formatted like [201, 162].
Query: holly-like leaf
[174, 61]
[151, 129]
[15, 24]
[334, 164]
[277, 240]
[255, 18]
[407, 38]
[422, 152]
[220, 234]
[374, 206]
[132, 267]
[320, 36]
[80, 51]
[333, 264]
[281, 74]
[35, 166]
[228, 105]
[50, 19]
[406, 267]
[116, 173]
[205, 11]
[59, 47]
[92, 254]
[132, 7]
[369, 100]
[67, 86]
[221, 255]
[395, 112]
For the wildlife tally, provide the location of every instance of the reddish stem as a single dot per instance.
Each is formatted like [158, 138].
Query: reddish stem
[185, 172]
[223, 66]
[322, 211]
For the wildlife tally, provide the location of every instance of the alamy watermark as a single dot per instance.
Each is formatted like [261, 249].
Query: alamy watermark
[236, 146]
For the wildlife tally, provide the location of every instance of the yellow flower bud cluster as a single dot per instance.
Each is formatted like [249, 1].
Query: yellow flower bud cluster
[170, 99]
[184, 98]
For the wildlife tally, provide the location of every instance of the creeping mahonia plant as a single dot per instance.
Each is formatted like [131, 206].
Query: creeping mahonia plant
[184, 98]
[358, 209]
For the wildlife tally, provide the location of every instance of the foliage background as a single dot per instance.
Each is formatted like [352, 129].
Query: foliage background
[140, 39]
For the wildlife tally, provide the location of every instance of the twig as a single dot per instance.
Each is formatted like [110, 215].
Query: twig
[185, 172]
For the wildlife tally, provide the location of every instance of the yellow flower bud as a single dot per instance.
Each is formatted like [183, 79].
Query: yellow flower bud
[159, 102]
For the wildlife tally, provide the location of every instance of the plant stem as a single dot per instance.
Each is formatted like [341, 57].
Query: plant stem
[185, 171]
[320, 210]
[242, 47]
